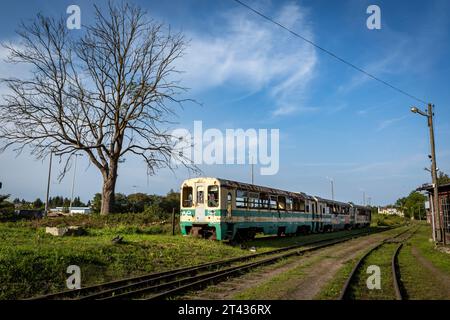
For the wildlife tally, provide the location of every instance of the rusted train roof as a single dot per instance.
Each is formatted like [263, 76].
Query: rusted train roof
[255, 188]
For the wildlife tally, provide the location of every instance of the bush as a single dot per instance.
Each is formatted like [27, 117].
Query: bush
[387, 220]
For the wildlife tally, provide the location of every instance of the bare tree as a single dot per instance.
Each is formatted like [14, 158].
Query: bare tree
[107, 92]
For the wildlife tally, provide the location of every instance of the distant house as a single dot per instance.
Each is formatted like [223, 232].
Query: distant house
[73, 210]
[390, 211]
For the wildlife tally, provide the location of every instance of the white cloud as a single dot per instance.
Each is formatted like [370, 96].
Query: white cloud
[249, 53]
[388, 122]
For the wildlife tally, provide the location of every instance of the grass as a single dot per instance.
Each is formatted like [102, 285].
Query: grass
[277, 287]
[418, 282]
[422, 242]
[33, 263]
[382, 220]
[381, 257]
[282, 286]
[333, 289]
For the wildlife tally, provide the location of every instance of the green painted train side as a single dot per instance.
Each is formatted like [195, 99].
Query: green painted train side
[268, 222]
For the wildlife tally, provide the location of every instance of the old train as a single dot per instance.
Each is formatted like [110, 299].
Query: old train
[222, 209]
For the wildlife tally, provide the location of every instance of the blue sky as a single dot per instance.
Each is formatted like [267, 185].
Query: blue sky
[248, 73]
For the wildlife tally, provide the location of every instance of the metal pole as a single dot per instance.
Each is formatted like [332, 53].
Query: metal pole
[332, 189]
[252, 170]
[48, 184]
[434, 176]
[433, 225]
[73, 182]
[173, 221]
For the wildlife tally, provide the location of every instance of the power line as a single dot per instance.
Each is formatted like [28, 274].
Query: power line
[331, 53]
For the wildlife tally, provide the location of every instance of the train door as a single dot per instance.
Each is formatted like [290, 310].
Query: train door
[319, 217]
[314, 208]
[200, 202]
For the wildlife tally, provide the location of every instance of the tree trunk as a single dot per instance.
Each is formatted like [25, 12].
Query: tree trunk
[108, 190]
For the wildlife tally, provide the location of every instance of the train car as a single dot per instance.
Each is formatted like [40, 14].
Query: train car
[222, 209]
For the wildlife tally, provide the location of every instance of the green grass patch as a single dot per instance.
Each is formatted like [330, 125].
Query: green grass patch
[382, 258]
[422, 241]
[33, 263]
[417, 281]
[280, 286]
[383, 220]
[333, 289]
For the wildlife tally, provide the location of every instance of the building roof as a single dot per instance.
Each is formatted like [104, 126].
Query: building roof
[429, 187]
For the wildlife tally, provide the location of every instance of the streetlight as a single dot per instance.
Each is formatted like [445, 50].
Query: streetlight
[332, 187]
[48, 183]
[73, 180]
[429, 115]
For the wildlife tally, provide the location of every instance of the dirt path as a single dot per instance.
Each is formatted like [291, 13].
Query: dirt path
[318, 268]
[442, 279]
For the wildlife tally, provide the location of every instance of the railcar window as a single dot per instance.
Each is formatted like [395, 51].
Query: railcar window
[281, 203]
[229, 203]
[298, 204]
[302, 205]
[273, 202]
[264, 200]
[213, 196]
[241, 199]
[253, 200]
[307, 208]
[200, 195]
[289, 203]
[187, 197]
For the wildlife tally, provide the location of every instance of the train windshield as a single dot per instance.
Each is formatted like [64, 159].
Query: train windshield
[213, 196]
[187, 197]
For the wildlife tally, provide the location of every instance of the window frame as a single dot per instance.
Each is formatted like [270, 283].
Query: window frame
[218, 196]
[183, 199]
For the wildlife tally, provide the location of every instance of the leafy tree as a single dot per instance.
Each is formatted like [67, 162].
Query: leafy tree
[443, 178]
[97, 203]
[38, 204]
[413, 205]
[138, 201]
[6, 207]
[77, 202]
[171, 201]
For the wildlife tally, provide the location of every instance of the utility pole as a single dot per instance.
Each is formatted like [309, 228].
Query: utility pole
[73, 181]
[364, 198]
[252, 170]
[332, 187]
[434, 174]
[437, 216]
[48, 184]
[173, 221]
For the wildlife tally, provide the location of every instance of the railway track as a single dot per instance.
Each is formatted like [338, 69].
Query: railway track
[173, 282]
[399, 238]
